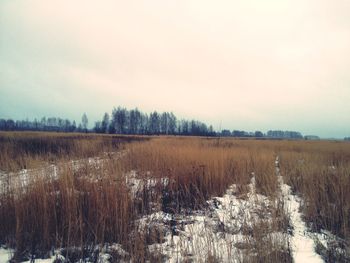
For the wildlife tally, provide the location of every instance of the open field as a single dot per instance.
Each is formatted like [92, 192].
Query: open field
[105, 198]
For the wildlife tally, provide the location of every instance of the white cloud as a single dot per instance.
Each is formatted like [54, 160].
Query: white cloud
[245, 63]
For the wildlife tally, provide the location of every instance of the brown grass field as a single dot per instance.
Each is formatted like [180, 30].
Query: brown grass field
[76, 191]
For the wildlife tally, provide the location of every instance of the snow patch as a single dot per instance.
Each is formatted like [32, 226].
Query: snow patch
[302, 242]
[222, 232]
[5, 254]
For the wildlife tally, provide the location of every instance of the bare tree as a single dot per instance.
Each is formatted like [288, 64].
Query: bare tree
[84, 122]
[104, 123]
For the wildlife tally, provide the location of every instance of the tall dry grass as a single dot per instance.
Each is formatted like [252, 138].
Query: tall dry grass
[75, 209]
[22, 150]
[320, 173]
[197, 169]
[82, 205]
[92, 204]
[322, 177]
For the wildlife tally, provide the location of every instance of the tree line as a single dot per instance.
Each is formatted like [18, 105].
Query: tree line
[44, 124]
[120, 121]
[276, 134]
[134, 121]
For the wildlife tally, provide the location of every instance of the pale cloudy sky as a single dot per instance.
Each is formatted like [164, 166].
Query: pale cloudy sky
[248, 64]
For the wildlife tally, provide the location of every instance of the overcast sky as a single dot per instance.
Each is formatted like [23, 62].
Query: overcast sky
[249, 64]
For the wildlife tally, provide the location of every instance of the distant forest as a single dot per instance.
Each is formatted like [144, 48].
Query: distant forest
[134, 121]
[121, 121]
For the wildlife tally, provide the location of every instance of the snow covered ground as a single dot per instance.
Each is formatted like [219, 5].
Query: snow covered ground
[221, 231]
[302, 241]
[218, 232]
[51, 171]
[5, 254]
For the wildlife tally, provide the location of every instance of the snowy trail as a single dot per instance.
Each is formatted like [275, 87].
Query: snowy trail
[303, 246]
[221, 232]
[218, 231]
[52, 171]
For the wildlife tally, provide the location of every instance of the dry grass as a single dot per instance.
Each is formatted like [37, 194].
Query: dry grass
[75, 209]
[198, 169]
[22, 150]
[322, 178]
[94, 204]
[320, 172]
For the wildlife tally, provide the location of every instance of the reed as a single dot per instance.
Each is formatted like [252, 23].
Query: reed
[113, 181]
